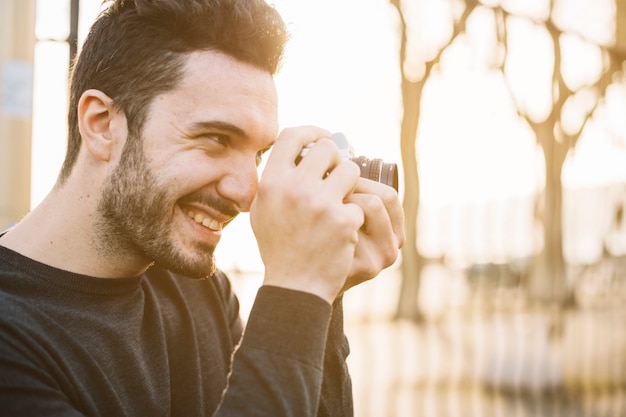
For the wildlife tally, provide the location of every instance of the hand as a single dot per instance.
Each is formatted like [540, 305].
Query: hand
[306, 220]
[382, 234]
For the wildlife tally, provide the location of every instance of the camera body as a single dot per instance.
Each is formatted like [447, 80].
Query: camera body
[373, 169]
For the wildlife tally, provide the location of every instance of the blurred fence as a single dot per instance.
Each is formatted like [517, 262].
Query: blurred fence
[483, 350]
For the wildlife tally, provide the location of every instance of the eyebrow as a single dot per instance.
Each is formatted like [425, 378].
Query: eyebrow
[219, 125]
[226, 127]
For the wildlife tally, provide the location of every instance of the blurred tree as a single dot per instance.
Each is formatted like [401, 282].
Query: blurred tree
[557, 134]
[411, 91]
[557, 128]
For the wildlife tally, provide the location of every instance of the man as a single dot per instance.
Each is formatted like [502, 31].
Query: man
[110, 302]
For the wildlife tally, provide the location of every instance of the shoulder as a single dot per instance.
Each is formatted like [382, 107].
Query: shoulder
[25, 331]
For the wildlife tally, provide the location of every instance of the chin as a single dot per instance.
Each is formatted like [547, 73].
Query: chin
[191, 260]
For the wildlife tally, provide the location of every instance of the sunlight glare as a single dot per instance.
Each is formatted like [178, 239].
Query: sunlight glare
[341, 72]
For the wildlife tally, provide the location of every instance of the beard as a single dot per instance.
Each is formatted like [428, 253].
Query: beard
[136, 218]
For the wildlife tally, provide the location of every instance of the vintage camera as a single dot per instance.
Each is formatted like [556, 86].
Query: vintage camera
[373, 169]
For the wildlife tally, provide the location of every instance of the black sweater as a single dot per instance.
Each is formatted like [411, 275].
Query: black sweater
[163, 345]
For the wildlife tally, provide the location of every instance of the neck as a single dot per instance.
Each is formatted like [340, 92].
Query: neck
[60, 232]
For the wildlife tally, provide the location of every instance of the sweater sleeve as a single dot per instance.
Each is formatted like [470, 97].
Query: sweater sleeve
[336, 397]
[278, 369]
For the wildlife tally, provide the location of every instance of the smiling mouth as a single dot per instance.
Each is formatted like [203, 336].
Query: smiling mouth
[205, 221]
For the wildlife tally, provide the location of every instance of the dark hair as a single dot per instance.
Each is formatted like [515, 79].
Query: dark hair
[135, 51]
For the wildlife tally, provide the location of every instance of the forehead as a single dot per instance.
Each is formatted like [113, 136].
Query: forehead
[214, 86]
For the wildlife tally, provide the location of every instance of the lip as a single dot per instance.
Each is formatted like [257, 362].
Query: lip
[206, 212]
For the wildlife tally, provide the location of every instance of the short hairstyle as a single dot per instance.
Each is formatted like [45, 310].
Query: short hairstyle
[135, 51]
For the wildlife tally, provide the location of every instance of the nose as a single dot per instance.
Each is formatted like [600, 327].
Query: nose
[239, 184]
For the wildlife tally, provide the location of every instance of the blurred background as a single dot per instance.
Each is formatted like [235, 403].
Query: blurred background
[508, 121]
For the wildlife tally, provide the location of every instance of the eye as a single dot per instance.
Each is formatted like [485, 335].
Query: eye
[211, 142]
[215, 137]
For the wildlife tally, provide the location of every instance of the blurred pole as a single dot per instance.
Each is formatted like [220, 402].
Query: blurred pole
[17, 43]
[620, 26]
[73, 37]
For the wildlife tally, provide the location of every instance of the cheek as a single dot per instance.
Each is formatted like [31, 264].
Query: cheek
[193, 172]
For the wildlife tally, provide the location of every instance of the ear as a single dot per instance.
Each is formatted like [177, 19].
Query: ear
[95, 116]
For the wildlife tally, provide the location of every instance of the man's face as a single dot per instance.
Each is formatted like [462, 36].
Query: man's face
[194, 168]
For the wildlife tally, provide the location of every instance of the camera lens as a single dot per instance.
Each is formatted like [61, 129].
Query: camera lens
[378, 170]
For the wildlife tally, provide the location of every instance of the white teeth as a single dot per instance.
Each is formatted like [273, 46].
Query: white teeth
[211, 224]
[207, 222]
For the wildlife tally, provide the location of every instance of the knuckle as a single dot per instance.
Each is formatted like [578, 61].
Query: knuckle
[353, 169]
[326, 145]
[371, 271]
[391, 256]
[345, 220]
[374, 204]
[388, 195]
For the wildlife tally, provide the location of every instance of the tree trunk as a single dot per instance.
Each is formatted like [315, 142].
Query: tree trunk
[620, 26]
[412, 261]
[548, 278]
[411, 266]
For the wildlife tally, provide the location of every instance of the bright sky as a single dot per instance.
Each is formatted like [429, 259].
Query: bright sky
[341, 72]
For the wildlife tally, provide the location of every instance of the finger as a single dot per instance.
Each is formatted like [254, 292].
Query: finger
[344, 178]
[377, 220]
[355, 212]
[378, 244]
[289, 145]
[389, 198]
[320, 155]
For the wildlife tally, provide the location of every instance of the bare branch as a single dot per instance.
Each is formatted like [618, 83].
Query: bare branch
[458, 28]
[601, 85]
[501, 17]
[563, 92]
[403, 35]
